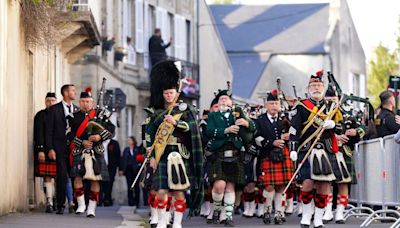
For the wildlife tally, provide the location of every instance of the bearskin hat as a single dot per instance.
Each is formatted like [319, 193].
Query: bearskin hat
[164, 75]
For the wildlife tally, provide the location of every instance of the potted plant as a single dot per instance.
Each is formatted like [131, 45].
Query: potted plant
[119, 53]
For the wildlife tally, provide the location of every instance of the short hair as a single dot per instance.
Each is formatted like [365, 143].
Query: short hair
[157, 30]
[64, 88]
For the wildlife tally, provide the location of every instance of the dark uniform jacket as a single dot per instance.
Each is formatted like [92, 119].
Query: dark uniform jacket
[387, 124]
[269, 132]
[216, 124]
[39, 129]
[300, 119]
[157, 49]
[107, 133]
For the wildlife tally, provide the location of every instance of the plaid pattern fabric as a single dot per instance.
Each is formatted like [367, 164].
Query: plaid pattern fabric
[48, 168]
[228, 171]
[194, 165]
[350, 166]
[276, 173]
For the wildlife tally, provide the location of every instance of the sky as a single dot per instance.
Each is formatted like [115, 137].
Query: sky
[376, 21]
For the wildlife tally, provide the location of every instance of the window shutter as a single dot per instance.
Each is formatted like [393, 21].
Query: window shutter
[139, 26]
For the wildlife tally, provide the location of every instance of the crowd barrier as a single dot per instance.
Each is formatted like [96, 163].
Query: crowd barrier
[377, 165]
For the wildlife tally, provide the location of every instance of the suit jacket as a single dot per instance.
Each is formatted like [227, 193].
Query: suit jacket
[269, 132]
[128, 161]
[114, 156]
[55, 137]
[39, 130]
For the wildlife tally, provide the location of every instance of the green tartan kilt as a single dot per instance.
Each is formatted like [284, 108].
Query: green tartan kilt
[160, 176]
[350, 166]
[233, 172]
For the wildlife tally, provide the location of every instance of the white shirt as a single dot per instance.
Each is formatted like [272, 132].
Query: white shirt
[65, 105]
[105, 145]
[271, 118]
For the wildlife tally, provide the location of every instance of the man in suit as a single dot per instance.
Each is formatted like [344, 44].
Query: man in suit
[57, 142]
[112, 156]
[157, 47]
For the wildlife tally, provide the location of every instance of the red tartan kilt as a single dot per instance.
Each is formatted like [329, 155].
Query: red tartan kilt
[278, 173]
[47, 168]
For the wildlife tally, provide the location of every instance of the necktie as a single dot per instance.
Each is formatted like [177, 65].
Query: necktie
[69, 108]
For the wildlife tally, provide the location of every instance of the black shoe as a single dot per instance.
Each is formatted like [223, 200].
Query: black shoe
[49, 208]
[71, 209]
[340, 222]
[215, 219]
[237, 211]
[229, 222]
[304, 226]
[267, 218]
[60, 211]
[153, 225]
[222, 221]
[278, 220]
[327, 221]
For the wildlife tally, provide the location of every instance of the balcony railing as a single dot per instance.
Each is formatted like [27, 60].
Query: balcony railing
[80, 7]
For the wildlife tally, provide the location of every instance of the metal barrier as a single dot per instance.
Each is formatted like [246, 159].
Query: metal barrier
[377, 162]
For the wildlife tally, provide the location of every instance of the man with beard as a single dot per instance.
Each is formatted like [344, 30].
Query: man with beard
[311, 117]
[226, 144]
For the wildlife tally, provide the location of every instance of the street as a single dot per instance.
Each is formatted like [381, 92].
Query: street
[124, 217]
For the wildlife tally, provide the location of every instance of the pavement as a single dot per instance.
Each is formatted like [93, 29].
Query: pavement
[121, 217]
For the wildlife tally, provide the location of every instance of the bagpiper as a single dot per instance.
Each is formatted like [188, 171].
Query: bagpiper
[276, 168]
[88, 153]
[228, 130]
[174, 141]
[44, 166]
[314, 123]
[353, 131]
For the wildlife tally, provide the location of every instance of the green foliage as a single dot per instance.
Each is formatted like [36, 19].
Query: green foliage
[381, 67]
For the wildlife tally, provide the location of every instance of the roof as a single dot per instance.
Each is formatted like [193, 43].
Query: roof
[251, 34]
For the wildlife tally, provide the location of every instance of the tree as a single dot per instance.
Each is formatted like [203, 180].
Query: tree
[380, 68]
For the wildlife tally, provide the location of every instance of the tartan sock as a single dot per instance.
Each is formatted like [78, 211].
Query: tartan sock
[229, 201]
[94, 196]
[342, 199]
[217, 198]
[160, 203]
[248, 197]
[78, 192]
[180, 205]
[207, 197]
[306, 197]
[329, 198]
[320, 200]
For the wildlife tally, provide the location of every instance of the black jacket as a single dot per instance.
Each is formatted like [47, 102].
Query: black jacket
[56, 124]
[114, 156]
[157, 48]
[39, 129]
[387, 124]
[128, 162]
[269, 132]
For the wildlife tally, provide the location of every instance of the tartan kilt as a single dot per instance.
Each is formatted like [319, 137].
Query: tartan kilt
[77, 164]
[305, 171]
[48, 168]
[227, 171]
[160, 176]
[250, 171]
[276, 173]
[350, 166]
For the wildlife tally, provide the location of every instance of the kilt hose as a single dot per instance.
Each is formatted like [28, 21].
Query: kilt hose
[47, 168]
[276, 173]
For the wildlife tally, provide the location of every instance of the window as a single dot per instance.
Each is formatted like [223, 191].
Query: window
[127, 33]
[162, 22]
[139, 25]
[188, 41]
[129, 120]
[180, 37]
[149, 26]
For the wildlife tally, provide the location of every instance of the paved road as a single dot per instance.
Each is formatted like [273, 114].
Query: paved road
[122, 217]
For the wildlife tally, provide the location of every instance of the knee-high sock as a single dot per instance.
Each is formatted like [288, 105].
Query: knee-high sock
[269, 197]
[229, 202]
[49, 192]
[217, 198]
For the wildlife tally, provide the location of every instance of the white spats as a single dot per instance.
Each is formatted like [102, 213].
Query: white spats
[319, 213]
[339, 213]
[162, 218]
[81, 204]
[91, 210]
[308, 211]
